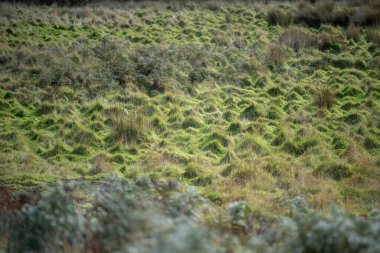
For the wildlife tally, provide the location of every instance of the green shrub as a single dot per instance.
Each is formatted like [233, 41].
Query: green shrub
[126, 216]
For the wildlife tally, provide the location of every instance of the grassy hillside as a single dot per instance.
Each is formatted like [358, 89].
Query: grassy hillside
[245, 101]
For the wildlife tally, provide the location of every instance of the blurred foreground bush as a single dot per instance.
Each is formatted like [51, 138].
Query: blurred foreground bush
[147, 216]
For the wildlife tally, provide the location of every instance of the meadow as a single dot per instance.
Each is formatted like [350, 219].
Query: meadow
[251, 106]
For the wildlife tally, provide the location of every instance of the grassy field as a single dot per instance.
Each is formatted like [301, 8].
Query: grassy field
[253, 104]
[245, 101]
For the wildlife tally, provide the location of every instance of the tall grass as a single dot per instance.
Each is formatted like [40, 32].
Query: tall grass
[276, 16]
[324, 97]
[128, 128]
[275, 55]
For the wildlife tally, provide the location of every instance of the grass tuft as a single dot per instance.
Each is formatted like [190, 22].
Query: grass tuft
[277, 16]
[324, 98]
[128, 129]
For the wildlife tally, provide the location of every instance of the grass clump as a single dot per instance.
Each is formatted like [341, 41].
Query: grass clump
[308, 15]
[276, 16]
[339, 142]
[234, 128]
[336, 171]
[128, 129]
[275, 91]
[251, 112]
[352, 118]
[374, 37]
[275, 55]
[83, 135]
[368, 15]
[353, 32]
[321, 12]
[81, 150]
[58, 148]
[297, 39]
[371, 143]
[324, 97]
[214, 146]
[191, 122]
[293, 148]
[327, 41]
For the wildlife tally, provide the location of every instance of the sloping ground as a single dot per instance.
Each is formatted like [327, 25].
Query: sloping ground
[208, 95]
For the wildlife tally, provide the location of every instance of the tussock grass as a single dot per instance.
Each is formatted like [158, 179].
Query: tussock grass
[275, 55]
[324, 97]
[276, 16]
[128, 128]
[353, 32]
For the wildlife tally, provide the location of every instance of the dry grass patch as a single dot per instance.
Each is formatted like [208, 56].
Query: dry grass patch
[275, 55]
[128, 128]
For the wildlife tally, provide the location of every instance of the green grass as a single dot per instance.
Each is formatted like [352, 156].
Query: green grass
[188, 93]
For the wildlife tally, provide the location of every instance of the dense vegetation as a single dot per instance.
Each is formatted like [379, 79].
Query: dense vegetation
[252, 103]
[122, 216]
